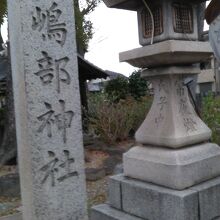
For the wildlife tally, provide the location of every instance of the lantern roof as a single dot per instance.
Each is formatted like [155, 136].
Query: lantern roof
[135, 4]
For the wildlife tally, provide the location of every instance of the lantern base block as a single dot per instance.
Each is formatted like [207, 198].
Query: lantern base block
[131, 199]
[173, 168]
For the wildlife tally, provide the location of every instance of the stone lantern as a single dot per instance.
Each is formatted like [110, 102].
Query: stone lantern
[174, 171]
[172, 19]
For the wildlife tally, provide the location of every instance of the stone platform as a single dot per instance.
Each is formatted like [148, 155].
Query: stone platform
[105, 212]
[130, 199]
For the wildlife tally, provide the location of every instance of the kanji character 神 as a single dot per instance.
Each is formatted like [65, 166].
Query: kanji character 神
[62, 120]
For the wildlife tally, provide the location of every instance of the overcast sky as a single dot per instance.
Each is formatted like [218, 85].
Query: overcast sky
[114, 31]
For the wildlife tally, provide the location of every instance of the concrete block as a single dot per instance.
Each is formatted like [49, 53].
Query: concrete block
[153, 202]
[173, 168]
[209, 199]
[105, 212]
[114, 192]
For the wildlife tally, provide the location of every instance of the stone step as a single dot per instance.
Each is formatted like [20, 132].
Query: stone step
[105, 212]
[153, 202]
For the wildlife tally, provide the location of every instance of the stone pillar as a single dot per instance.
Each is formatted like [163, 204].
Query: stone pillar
[47, 108]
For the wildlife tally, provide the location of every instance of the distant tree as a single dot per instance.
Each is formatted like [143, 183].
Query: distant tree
[84, 27]
[3, 10]
[138, 86]
[117, 89]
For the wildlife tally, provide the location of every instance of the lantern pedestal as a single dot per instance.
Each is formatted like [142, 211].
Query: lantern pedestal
[172, 121]
[131, 199]
[173, 168]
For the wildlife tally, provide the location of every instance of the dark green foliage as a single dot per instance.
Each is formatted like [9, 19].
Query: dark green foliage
[84, 28]
[138, 86]
[211, 116]
[121, 88]
[3, 10]
[2, 116]
[117, 89]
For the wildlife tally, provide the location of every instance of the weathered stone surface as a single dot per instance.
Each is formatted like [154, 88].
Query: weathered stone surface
[209, 199]
[172, 121]
[169, 52]
[153, 202]
[171, 70]
[104, 212]
[47, 108]
[176, 169]
[114, 192]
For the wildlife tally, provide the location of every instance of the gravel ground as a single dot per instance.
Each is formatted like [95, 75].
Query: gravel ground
[9, 206]
[97, 191]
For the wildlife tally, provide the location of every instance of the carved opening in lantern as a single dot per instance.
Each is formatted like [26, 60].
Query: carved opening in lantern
[147, 22]
[182, 18]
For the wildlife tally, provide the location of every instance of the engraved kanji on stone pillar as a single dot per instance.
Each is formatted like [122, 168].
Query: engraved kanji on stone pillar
[48, 109]
[49, 20]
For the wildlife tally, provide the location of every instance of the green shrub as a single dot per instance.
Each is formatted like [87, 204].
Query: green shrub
[117, 89]
[121, 88]
[211, 116]
[113, 121]
[138, 87]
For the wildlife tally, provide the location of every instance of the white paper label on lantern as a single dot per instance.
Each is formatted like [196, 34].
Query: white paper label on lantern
[214, 37]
